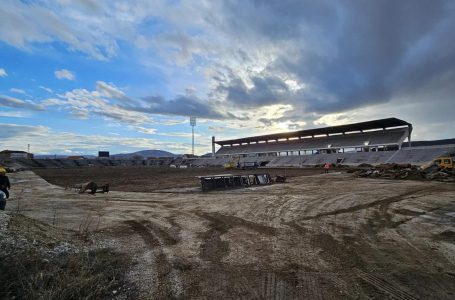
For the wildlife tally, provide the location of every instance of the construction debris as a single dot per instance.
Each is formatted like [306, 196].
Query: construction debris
[405, 171]
[280, 179]
[224, 181]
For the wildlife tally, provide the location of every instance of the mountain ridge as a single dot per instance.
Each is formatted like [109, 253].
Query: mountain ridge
[143, 153]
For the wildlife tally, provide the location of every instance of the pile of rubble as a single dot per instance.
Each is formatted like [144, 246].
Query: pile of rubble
[404, 171]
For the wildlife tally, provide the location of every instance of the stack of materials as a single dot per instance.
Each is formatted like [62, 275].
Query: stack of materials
[224, 181]
[405, 171]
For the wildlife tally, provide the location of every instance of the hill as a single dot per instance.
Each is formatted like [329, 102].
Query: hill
[145, 153]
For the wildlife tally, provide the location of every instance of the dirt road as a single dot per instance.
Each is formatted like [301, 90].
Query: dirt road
[317, 237]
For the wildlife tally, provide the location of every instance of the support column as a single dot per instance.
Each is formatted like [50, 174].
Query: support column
[213, 146]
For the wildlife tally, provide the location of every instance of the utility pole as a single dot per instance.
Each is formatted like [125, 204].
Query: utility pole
[192, 124]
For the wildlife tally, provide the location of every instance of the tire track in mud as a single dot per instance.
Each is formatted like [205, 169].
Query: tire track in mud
[355, 208]
[282, 284]
[272, 210]
[263, 284]
[155, 236]
[245, 282]
[371, 282]
[347, 261]
[218, 220]
[411, 255]
[148, 237]
[384, 286]
[382, 218]
[281, 208]
[212, 248]
[275, 286]
[300, 284]
[355, 253]
[311, 287]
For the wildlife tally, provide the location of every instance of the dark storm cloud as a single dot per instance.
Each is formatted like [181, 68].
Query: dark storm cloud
[179, 106]
[349, 54]
[266, 90]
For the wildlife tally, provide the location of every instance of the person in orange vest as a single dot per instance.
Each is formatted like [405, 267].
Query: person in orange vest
[326, 167]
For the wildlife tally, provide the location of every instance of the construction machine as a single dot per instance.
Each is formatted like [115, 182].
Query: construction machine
[248, 165]
[233, 163]
[443, 162]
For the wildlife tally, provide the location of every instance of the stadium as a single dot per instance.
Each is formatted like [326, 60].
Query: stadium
[372, 142]
[192, 231]
[274, 150]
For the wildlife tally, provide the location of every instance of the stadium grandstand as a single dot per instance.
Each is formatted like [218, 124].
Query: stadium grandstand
[371, 136]
[373, 142]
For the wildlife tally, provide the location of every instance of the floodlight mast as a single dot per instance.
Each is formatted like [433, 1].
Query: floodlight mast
[192, 123]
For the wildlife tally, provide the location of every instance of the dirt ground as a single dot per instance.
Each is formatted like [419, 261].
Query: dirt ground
[320, 236]
[149, 179]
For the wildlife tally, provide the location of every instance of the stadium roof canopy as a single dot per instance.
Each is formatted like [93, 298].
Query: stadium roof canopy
[369, 125]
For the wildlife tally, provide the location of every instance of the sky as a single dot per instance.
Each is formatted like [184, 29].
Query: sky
[80, 76]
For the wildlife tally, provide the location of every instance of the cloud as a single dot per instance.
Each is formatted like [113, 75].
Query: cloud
[177, 46]
[178, 134]
[344, 55]
[14, 114]
[180, 106]
[7, 101]
[79, 27]
[145, 130]
[110, 101]
[53, 102]
[110, 91]
[83, 103]
[245, 59]
[264, 91]
[13, 135]
[64, 74]
[16, 131]
[320, 57]
[17, 91]
[49, 90]
[169, 122]
[3, 73]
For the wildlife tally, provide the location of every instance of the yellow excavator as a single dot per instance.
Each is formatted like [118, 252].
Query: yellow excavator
[233, 163]
[443, 162]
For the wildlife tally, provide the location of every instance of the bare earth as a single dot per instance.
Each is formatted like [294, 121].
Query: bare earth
[146, 179]
[320, 236]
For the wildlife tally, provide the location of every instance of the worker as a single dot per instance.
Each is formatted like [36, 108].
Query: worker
[4, 182]
[2, 200]
[327, 167]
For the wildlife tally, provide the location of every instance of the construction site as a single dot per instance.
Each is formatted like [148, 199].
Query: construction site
[357, 211]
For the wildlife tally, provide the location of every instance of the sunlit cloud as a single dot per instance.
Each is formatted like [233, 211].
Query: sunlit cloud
[3, 73]
[64, 74]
